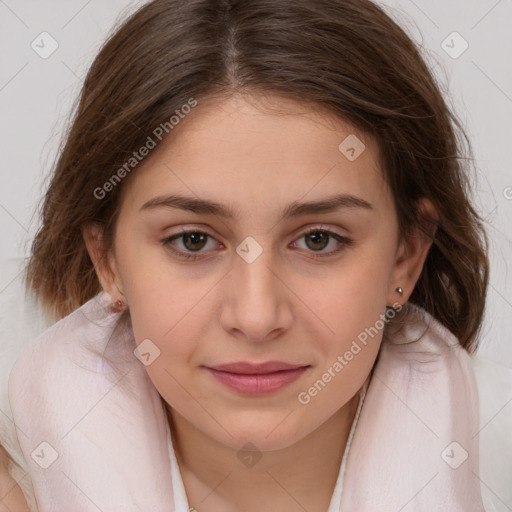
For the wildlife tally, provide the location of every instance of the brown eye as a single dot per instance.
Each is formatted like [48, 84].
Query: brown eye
[318, 240]
[194, 240]
[190, 242]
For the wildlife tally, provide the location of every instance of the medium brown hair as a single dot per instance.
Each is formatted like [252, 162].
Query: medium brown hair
[345, 56]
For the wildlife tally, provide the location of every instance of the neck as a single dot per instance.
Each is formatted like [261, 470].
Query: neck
[299, 477]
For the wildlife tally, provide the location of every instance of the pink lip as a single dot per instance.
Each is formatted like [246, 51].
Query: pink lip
[256, 368]
[257, 379]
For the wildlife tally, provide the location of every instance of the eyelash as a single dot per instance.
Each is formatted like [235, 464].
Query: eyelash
[344, 241]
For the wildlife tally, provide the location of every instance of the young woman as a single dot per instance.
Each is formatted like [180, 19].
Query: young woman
[268, 275]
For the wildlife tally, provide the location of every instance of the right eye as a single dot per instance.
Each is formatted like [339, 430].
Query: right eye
[192, 240]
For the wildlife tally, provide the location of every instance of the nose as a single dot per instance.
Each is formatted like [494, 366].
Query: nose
[259, 303]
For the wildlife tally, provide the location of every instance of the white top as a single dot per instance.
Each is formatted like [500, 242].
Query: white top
[180, 496]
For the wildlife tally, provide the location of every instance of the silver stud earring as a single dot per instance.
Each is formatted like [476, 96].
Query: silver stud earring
[400, 290]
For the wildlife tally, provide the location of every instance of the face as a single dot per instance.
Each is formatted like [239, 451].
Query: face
[265, 273]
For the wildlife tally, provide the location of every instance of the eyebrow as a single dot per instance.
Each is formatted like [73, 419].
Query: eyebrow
[295, 209]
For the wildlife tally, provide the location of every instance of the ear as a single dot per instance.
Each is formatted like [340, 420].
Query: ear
[105, 266]
[412, 253]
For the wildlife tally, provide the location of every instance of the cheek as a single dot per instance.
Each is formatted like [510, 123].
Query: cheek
[349, 299]
[173, 338]
[347, 351]
[336, 383]
[162, 313]
[159, 293]
[351, 307]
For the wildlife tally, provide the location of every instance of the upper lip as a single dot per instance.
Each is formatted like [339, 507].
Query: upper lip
[256, 368]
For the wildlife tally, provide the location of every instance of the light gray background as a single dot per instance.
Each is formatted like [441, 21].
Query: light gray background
[36, 95]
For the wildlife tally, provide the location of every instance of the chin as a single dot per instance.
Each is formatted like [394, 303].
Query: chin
[265, 436]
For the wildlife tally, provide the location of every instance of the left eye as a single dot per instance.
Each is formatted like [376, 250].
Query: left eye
[316, 240]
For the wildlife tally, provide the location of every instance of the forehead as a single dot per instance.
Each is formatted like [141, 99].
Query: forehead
[249, 150]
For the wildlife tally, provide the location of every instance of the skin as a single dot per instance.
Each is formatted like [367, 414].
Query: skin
[286, 305]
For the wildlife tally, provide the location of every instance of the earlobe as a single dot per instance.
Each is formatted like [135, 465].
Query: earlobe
[103, 265]
[413, 252]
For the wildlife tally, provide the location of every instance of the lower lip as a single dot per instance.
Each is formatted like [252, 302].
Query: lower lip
[260, 384]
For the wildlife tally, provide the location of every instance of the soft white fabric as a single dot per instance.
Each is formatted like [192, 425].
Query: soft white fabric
[495, 435]
[90, 398]
[21, 322]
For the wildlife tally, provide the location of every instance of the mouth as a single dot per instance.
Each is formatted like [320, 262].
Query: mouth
[257, 378]
[248, 368]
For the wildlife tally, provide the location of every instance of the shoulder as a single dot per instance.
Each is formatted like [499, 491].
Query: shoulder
[68, 357]
[494, 383]
[22, 320]
[11, 495]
